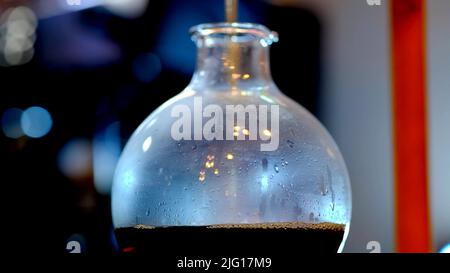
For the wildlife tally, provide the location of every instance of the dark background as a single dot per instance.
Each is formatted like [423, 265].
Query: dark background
[92, 69]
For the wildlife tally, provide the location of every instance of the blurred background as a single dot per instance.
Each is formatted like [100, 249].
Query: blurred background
[78, 76]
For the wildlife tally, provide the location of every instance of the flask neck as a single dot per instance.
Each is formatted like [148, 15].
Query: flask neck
[232, 59]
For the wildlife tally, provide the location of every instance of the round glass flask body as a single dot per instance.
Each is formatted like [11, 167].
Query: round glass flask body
[231, 149]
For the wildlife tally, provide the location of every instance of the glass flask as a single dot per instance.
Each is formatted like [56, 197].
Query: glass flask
[231, 153]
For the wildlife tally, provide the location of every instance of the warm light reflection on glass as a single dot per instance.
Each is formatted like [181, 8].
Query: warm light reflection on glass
[235, 76]
[202, 176]
[236, 131]
[267, 133]
[245, 132]
[209, 164]
[230, 156]
[216, 171]
[246, 76]
[246, 93]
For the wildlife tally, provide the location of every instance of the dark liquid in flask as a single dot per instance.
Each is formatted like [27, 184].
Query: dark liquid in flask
[245, 239]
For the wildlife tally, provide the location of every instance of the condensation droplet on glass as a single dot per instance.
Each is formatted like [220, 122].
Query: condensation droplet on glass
[290, 143]
[265, 163]
[275, 167]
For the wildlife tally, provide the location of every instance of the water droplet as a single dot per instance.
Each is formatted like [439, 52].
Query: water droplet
[290, 143]
[194, 147]
[311, 217]
[185, 188]
[264, 164]
[286, 163]
[271, 176]
[275, 167]
[147, 213]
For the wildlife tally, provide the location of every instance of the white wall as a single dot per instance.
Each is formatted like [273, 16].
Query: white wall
[438, 25]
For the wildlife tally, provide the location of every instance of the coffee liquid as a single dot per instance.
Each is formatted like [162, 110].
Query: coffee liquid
[245, 239]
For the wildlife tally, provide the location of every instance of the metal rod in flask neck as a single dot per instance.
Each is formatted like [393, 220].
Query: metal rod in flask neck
[231, 10]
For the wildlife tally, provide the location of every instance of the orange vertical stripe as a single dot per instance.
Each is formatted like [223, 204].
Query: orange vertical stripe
[410, 125]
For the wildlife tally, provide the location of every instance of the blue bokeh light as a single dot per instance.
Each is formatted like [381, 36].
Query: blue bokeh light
[11, 123]
[106, 151]
[75, 159]
[36, 122]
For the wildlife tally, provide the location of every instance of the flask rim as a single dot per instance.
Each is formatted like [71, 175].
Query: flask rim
[232, 29]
